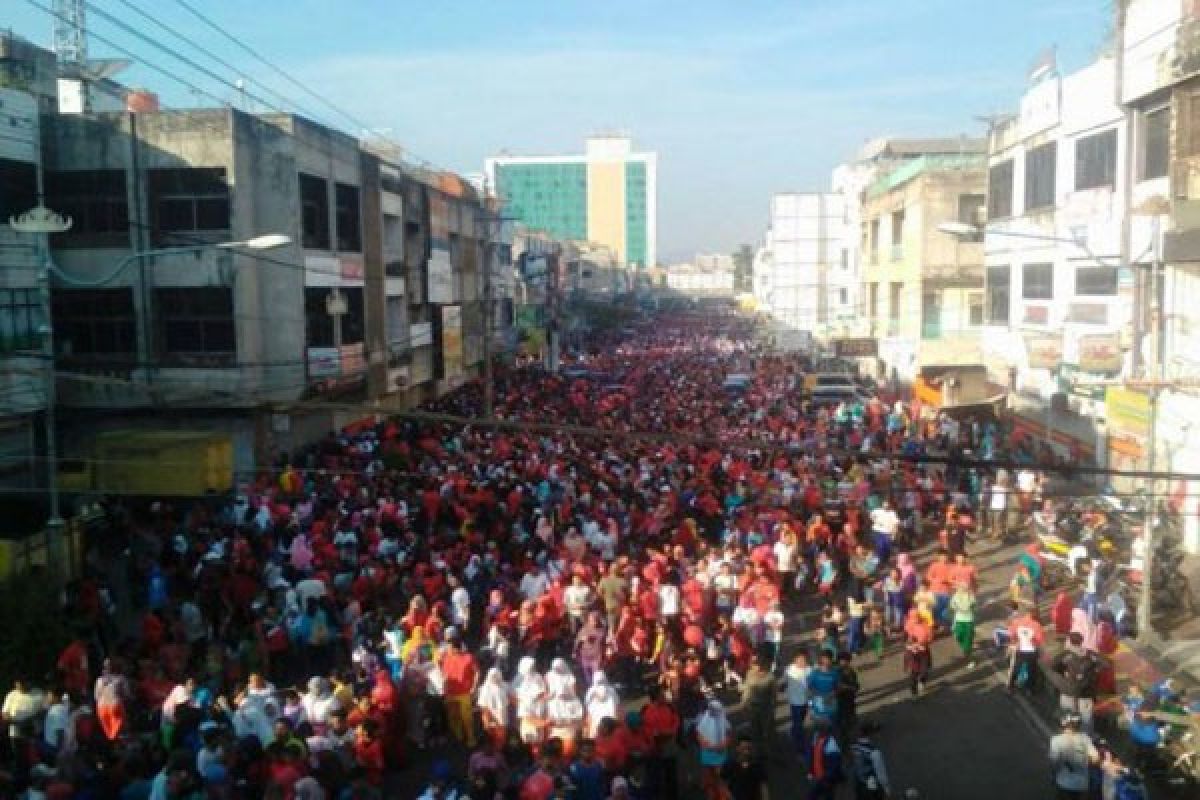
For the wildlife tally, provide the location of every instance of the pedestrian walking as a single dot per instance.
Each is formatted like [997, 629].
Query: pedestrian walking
[868, 766]
[1072, 755]
[1077, 669]
[962, 611]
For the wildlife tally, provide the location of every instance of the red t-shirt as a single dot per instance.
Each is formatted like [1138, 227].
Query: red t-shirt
[460, 671]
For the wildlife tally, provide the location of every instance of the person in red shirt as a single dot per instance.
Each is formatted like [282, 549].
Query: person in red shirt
[73, 666]
[612, 746]
[963, 572]
[941, 583]
[461, 674]
[368, 752]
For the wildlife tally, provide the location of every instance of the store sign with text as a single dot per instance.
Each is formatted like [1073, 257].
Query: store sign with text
[1100, 353]
[856, 348]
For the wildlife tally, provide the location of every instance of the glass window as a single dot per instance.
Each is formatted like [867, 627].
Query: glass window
[96, 201]
[21, 319]
[1037, 282]
[349, 227]
[1041, 164]
[998, 294]
[1000, 190]
[1156, 134]
[196, 325]
[94, 322]
[1096, 160]
[1093, 281]
[188, 201]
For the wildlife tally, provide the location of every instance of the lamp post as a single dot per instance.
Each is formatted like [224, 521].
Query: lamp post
[41, 222]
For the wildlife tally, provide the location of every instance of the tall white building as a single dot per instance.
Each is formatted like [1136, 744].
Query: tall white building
[807, 230]
[1058, 309]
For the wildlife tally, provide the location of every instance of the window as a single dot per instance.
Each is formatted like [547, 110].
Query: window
[349, 230]
[94, 322]
[1040, 166]
[873, 305]
[97, 203]
[20, 318]
[1156, 133]
[18, 188]
[393, 246]
[998, 289]
[875, 244]
[971, 208]
[314, 212]
[396, 311]
[1091, 281]
[897, 235]
[1000, 190]
[845, 258]
[1096, 160]
[196, 325]
[975, 309]
[843, 296]
[320, 324]
[188, 201]
[1037, 282]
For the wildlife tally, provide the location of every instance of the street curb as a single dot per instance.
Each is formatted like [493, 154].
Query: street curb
[1025, 708]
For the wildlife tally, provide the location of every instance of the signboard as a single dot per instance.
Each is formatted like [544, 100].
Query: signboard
[452, 342]
[1044, 352]
[353, 359]
[324, 362]
[1037, 315]
[1127, 411]
[441, 276]
[351, 269]
[1100, 353]
[856, 348]
[1088, 313]
[420, 334]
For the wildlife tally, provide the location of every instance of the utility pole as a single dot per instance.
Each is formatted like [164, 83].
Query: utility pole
[488, 388]
[1145, 615]
[41, 222]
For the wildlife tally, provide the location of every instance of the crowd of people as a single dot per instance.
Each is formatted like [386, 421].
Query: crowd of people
[520, 611]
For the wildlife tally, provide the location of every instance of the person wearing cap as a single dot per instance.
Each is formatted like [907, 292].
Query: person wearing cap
[1072, 755]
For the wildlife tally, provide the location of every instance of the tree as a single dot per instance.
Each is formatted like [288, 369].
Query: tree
[743, 268]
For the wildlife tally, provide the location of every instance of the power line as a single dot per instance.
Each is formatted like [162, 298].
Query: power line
[219, 60]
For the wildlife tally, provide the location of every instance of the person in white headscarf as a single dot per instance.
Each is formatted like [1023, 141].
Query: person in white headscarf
[602, 703]
[564, 709]
[530, 691]
[714, 734]
[319, 702]
[495, 699]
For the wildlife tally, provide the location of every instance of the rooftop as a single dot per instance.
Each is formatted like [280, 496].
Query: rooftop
[918, 166]
[907, 148]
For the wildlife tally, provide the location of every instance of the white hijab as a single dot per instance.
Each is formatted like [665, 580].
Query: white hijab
[713, 725]
[560, 679]
[494, 695]
[602, 702]
[530, 689]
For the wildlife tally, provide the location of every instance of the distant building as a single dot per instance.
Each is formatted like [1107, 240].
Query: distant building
[706, 274]
[805, 241]
[607, 195]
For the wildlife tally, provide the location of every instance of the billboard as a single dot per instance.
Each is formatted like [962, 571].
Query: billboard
[441, 276]
[856, 348]
[452, 342]
[1100, 353]
[1044, 352]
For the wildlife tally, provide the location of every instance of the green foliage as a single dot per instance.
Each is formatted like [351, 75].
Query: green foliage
[31, 627]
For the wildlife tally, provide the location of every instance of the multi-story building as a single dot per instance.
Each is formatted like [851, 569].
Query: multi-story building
[805, 243]
[1059, 303]
[923, 289]
[22, 396]
[607, 195]
[1158, 52]
[377, 299]
[879, 156]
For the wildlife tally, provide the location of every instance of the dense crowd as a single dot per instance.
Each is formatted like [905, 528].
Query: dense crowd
[519, 612]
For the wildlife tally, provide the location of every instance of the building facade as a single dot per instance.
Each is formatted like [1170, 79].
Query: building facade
[607, 195]
[22, 395]
[1158, 52]
[805, 243]
[1059, 300]
[923, 290]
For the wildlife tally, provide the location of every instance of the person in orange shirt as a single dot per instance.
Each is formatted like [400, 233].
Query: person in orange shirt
[941, 583]
[963, 572]
[461, 674]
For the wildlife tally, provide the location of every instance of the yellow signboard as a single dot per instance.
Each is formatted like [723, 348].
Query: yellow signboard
[1127, 411]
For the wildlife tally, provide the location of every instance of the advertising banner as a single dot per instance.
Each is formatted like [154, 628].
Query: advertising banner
[1044, 352]
[441, 276]
[856, 348]
[324, 362]
[1100, 353]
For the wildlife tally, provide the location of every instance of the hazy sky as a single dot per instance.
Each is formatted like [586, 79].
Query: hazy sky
[740, 98]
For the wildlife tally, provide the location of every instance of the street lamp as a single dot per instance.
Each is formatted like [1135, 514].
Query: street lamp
[42, 222]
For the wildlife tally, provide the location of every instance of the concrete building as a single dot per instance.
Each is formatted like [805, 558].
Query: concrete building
[705, 275]
[1158, 52]
[846, 301]
[923, 289]
[376, 301]
[805, 244]
[1058, 314]
[22, 396]
[607, 195]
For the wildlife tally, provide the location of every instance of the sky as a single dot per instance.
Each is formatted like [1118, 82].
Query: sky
[739, 98]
